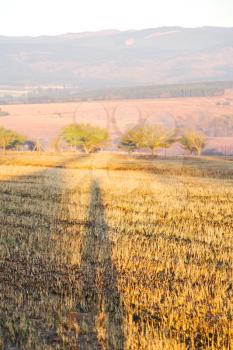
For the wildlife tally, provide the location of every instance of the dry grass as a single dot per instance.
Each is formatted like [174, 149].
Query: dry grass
[97, 256]
[192, 166]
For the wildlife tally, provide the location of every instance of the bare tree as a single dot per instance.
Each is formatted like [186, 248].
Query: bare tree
[193, 142]
[38, 146]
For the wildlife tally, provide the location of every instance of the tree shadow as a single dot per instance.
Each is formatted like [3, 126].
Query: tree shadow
[100, 303]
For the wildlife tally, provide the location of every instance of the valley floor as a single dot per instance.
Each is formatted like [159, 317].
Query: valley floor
[115, 252]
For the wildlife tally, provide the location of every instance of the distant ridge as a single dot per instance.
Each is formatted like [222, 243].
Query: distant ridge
[112, 58]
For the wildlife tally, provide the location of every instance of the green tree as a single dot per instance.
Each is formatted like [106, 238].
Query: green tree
[10, 139]
[155, 137]
[193, 142]
[132, 139]
[86, 137]
[147, 136]
[18, 140]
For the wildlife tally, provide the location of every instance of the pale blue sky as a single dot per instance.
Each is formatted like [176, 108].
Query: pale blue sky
[32, 17]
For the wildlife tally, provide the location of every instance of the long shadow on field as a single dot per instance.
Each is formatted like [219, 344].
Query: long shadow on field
[33, 275]
[100, 304]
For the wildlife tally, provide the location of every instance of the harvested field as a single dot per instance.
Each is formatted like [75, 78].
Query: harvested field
[112, 252]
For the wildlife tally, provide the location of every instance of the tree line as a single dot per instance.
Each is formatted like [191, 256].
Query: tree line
[73, 93]
[89, 139]
[155, 137]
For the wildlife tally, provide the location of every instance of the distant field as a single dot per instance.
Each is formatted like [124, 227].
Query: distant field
[44, 121]
[113, 252]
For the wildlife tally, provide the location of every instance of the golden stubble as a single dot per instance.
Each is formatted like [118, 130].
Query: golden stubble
[114, 258]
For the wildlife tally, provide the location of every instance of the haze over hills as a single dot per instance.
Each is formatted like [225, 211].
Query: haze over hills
[112, 58]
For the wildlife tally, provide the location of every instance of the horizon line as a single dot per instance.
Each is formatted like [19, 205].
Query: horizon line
[112, 30]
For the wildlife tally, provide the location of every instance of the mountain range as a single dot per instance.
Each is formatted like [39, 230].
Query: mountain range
[111, 58]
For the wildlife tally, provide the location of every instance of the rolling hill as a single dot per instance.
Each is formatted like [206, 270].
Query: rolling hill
[90, 60]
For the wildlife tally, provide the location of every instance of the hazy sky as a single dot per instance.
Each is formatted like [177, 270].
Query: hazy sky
[37, 17]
